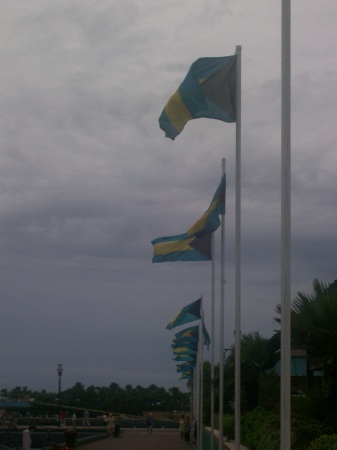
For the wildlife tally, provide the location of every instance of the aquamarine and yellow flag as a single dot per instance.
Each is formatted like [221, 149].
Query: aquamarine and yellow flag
[186, 366]
[185, 351]
[182, 247]
[189, 313]
[185, 342]
[191, 334]
[186, 376]
[185, 357]
[208, 90]
[195, 245]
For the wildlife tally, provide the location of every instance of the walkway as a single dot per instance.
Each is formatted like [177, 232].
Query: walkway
[138, 439]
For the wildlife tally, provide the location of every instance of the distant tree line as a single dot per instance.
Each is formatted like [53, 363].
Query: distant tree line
[121, 400]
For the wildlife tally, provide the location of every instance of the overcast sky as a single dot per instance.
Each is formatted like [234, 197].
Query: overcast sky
[88, 179]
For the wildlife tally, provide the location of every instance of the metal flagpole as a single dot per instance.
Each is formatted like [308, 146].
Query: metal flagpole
[201, 365]
[212, 341]
[197, 398]
[222, 313]
[238, 254]
[285, 226]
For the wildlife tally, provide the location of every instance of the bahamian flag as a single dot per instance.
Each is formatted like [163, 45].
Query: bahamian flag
[186, 366]
[182, 247]
[195, 245]
[185, 342]
[208, 90]
[191, 334]
[185, 351]
[189, 313]
[185, 357]
[186, 376]
[190, 331]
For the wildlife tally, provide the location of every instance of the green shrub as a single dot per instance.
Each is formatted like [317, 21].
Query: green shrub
[324, 442]
[229, 426]
[260, 430]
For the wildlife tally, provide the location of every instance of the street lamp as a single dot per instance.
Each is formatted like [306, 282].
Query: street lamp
[59, 372]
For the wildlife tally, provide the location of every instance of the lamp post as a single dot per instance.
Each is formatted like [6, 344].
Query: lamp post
[59, 372]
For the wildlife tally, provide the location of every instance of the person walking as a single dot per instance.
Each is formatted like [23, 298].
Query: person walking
[187, 430]
[111, 425]
[149, 423]
[86, 419]
[181, 428]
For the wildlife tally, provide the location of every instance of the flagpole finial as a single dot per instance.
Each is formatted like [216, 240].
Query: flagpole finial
[238, 49]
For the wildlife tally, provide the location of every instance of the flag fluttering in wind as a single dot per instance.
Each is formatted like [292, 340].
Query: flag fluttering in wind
[185, 342]
[186, 376]
[192, 332]
[208, 90]
[186, 366]
[182, 247]
[185, 357]
[189, 313]
[185, 351]
[195, 245]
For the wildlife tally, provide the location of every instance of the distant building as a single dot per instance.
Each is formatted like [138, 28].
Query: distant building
[303, 373]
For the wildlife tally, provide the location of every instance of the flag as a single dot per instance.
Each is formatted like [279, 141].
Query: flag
[190, 331]
[185, 357]
[195, 245]
[193, 332]
[182, 247]
[187, 365]
[185, 342]
[184, 351]
[189, 313]
[208, 90]
[186, 376]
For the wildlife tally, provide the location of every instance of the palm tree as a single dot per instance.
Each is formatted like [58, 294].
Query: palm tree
[257, 356]
[314, 328]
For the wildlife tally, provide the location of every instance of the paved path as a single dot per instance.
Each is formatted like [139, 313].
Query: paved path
[138, 439]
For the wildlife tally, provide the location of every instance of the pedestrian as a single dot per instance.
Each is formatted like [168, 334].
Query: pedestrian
[73, 420]
[181, 428]
[111, 425]
[63, 418]
[149, 423]
[86, 419]
[187, 430]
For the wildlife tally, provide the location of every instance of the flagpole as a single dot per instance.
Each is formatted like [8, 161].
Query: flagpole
[286, 227]
[212, 340]
[201, 365]
[222, 314]
[238, 253]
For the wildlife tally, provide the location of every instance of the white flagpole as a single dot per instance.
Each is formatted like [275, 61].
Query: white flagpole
[212, 340]
[238, 254]
[285, 227]
[222, 314]
[196, 397]
[201, 365]
[195, 409]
